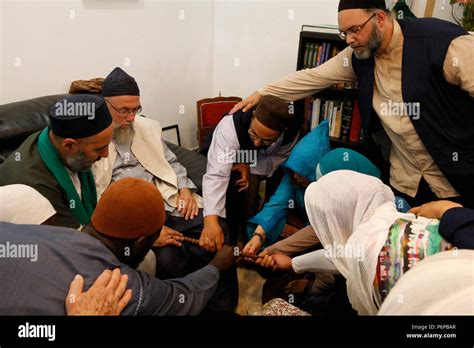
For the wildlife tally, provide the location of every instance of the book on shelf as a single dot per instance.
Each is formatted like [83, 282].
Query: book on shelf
[356, 123]
[315, 114]
[347, 85]
[317, 53]
[347, 117]
[343, 116]
[338, 104]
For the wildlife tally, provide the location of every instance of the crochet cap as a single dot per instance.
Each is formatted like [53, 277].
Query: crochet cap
[130, 208]
[118, 83]
[274, 113]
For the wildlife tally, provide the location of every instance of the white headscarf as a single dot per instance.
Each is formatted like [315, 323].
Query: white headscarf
[442, 284]
[354, 212]
[21, 204]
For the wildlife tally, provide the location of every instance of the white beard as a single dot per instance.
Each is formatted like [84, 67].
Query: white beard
[124, 136]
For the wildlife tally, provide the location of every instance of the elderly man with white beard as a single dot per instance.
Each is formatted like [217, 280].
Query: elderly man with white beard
[138, 151]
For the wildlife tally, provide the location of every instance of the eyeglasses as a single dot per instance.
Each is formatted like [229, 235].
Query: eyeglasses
[354, 30]
[124, 112]
[265, 142]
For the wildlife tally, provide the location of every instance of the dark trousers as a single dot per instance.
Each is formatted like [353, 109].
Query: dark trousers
[177, 262]
[424, 195]
[241, 206]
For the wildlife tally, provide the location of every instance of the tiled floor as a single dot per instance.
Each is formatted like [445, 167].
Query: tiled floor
[250, 289]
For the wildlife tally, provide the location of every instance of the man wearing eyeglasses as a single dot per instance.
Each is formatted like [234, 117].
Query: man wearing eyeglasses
[138, 151]
[260, 139]
[416, 83]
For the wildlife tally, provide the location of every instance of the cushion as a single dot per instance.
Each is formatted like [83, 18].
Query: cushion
[211, 113]
[20, 119]
[194, 163]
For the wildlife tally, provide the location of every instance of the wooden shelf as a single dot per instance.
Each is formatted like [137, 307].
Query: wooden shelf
[346, 142]
[317, 35]
[314, 36]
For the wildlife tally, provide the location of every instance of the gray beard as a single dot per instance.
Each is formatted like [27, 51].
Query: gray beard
[372, 46]
[124, 136]
[78, 163]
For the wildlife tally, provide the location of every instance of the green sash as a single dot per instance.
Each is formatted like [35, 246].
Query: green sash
[81, 209]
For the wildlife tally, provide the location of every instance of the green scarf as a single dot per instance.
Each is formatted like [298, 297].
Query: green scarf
[81, 209]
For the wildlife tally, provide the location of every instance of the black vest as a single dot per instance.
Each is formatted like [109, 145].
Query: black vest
[446, 121]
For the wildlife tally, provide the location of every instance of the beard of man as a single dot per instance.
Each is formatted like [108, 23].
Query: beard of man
[124, 136]
[373, 44]
[78, 162]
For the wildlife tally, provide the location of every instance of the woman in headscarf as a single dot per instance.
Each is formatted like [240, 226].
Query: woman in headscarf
[310, 159]
[300, 168]
[369, 242]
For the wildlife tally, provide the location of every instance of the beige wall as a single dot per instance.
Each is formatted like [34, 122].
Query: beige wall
[179, 51]
[169, 52]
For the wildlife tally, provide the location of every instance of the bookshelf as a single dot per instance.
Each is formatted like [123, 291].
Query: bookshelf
[339, 104]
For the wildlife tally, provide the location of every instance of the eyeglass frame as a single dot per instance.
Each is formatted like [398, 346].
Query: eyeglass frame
[355, 30]
[267, 142]
[125, 113]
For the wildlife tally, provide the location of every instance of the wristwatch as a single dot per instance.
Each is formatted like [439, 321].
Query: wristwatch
[262, 236]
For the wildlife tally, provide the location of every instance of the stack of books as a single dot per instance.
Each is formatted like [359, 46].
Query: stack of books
[343, 116]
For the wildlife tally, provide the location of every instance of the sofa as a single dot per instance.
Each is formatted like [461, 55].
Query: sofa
[20, 119]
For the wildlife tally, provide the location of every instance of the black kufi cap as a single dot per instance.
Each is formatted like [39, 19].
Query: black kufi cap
[362, 4]
[119, 83]
[79, 116]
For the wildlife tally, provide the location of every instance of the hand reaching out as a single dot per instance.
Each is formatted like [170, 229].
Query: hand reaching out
[168, 236]
[253, 245]
[434, 210]
[265, 260]
[274, 261]
[212, 236]
[247, 103]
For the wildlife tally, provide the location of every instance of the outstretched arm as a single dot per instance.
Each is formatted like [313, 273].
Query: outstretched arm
[306, 82]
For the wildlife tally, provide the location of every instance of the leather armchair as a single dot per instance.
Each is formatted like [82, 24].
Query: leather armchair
[20, 119]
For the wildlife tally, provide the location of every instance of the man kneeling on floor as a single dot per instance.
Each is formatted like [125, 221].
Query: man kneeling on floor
[125, 224]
